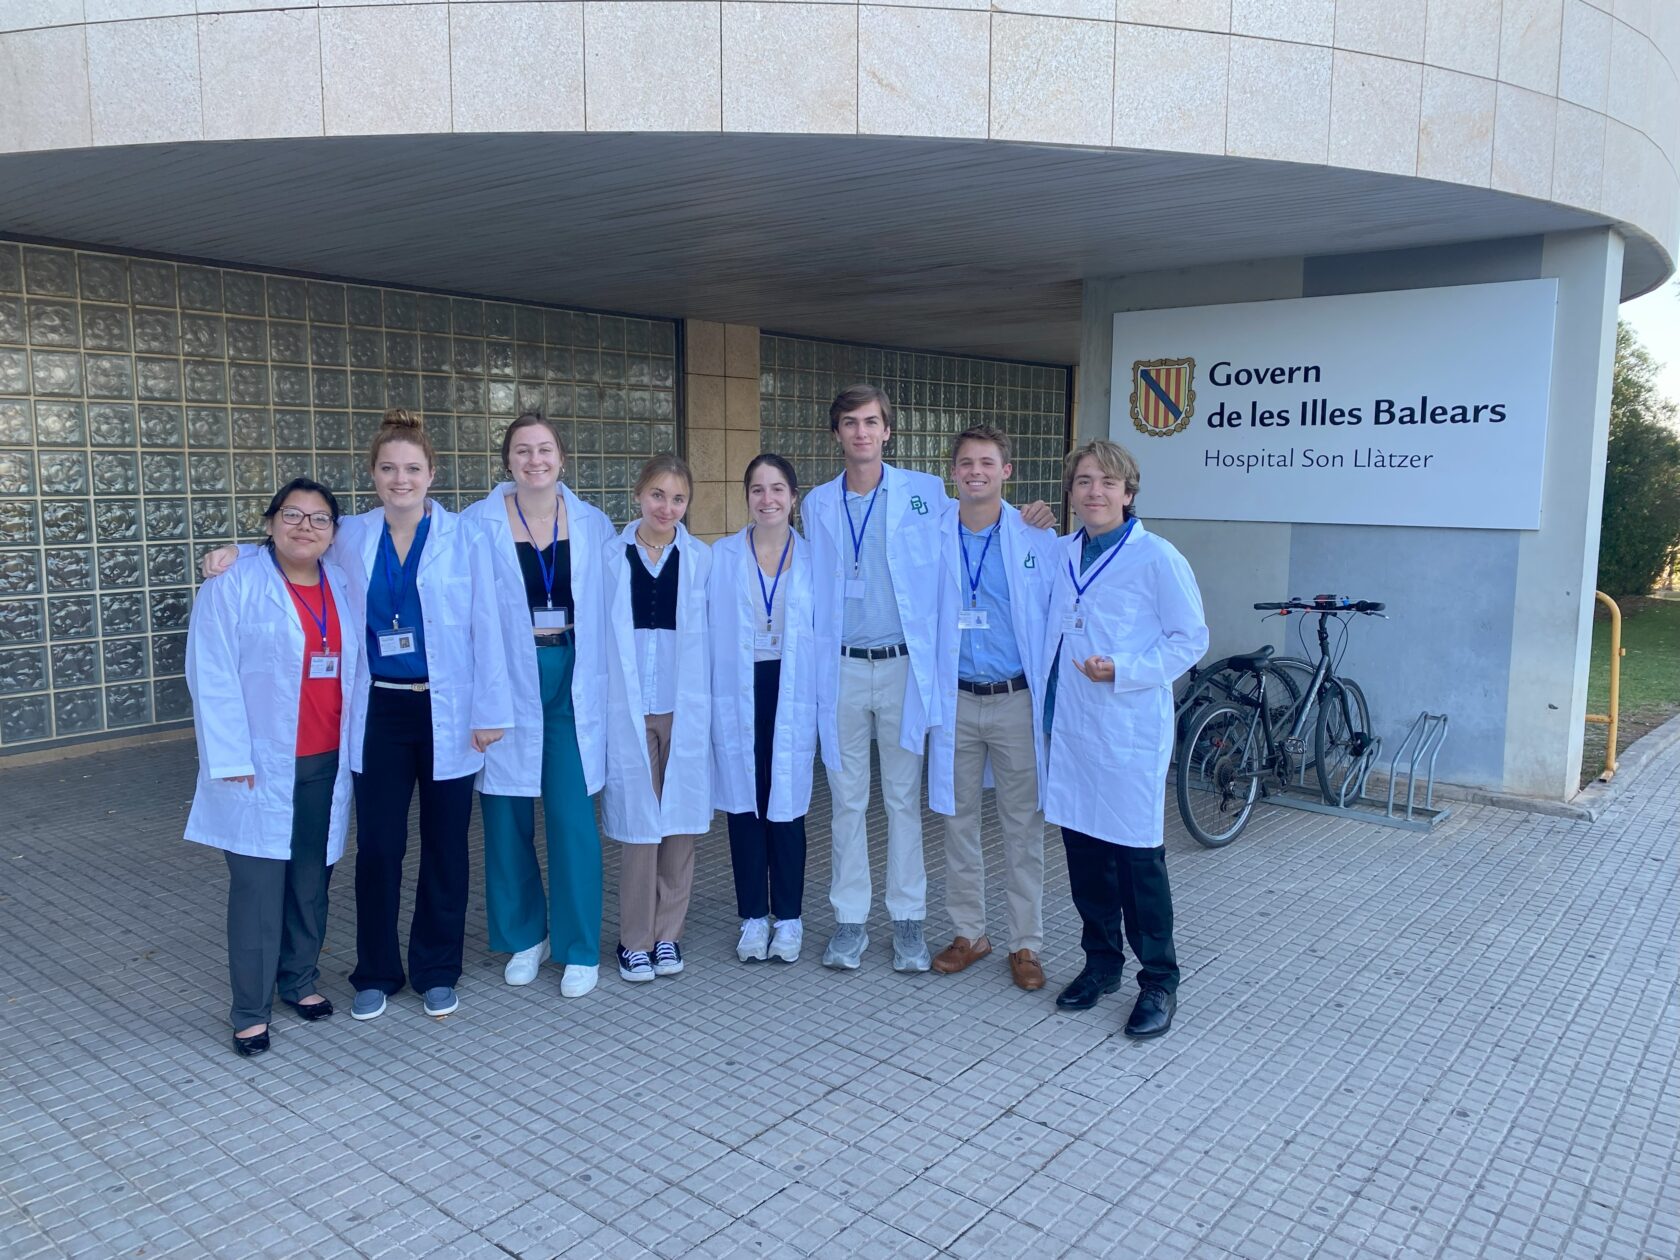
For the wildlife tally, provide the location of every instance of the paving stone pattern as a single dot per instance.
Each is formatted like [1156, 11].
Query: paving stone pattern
[1390, 1045]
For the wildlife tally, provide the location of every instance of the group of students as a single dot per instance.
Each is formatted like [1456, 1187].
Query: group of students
[526, 648]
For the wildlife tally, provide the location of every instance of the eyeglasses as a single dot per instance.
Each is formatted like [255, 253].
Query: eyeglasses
[297, 516]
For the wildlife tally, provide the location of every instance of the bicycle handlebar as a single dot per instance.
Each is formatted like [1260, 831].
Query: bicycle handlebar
[1323, 604]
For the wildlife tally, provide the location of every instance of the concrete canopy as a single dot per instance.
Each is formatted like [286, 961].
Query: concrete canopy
[969, 246]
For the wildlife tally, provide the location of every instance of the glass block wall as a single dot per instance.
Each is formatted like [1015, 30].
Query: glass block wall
[148, 410]
[935, 396]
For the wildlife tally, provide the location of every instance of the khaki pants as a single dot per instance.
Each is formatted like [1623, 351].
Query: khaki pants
[1001, 725]
[655, 880]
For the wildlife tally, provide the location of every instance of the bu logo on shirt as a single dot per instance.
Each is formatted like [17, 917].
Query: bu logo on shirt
[1031, 562]
[917, 505]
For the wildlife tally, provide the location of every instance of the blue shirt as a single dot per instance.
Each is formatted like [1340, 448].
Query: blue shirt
[991, 654]
[872, 621]
[1088, 554]
[394, 592]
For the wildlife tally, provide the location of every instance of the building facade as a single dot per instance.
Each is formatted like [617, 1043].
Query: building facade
[233, 235]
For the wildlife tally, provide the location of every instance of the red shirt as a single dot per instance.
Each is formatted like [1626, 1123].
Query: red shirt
[321, 700]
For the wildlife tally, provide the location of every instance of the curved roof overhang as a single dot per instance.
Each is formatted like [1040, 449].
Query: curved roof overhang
[969, 246]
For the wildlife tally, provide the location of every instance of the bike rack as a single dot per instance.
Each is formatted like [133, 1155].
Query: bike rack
[1421, 746]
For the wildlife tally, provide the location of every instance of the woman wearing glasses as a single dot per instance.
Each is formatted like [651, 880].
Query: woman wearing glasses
[434, 696]
[268, 661]
[551, 595]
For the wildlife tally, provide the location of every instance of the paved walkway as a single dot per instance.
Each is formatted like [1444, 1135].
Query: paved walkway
[1462, 1044]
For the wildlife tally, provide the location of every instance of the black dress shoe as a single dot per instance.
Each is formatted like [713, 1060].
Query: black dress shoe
[1086, 988]
[314, 1011]
[1152, 1015]
[255, 1044]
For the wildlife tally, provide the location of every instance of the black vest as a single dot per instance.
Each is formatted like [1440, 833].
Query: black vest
[653, 600]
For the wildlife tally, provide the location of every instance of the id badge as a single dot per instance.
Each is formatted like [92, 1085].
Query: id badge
[1073, 622]
[854, 588]
[972, 619]
[765, 641]
[397, 642]
[323, 665]
[546, 618]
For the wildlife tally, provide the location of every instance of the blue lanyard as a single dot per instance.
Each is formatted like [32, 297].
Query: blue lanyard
[397, 585]
[770, 594]
[857, 534]
[321, 621]
[974, 574]
[548, 570]
[1079, 588]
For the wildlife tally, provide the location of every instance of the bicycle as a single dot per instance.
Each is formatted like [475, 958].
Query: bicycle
[1232, 751]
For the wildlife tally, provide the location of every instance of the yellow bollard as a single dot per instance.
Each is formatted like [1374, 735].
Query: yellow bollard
[1609, 719]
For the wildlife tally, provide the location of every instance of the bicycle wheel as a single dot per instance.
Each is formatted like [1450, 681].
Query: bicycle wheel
[1341, 735]
[1221, 684]
[1218, 779]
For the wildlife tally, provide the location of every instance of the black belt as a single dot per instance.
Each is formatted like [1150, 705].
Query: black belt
[875, 653]
[1017, 683]
[551, 639]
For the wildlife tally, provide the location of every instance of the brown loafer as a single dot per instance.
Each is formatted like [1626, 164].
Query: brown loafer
[960, 953]
[1023, 966]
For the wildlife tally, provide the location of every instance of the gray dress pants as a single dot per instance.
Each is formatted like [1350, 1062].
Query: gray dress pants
[277, 910]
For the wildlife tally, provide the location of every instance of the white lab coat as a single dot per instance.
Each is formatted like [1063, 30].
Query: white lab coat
[513, 765]
[466, 662]
[630, 812]
[245, 649]
[1029, 564]
[915, 506]
[733, 625]
[1106, 770]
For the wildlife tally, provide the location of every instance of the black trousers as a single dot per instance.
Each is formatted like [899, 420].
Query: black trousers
[1123, 892]
[277, 909]
[762, 851]
[397, 757]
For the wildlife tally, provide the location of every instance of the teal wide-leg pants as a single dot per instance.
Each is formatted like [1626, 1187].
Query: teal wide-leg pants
[513, 888]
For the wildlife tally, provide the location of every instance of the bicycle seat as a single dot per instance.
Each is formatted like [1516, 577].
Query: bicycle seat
[1250, 660]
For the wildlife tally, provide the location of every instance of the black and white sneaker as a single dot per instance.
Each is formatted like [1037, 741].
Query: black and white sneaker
[634, 965]
[667, 958]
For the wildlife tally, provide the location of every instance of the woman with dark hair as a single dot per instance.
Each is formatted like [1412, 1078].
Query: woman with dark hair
[434, 696]
[761, 607]
[658, 795]
[551, 593]
[268, 661]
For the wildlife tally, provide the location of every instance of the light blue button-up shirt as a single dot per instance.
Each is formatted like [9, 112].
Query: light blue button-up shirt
[872, 621]
[990, 655]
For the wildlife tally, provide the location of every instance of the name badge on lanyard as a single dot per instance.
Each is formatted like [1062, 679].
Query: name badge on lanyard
[1073, 621]
[322, 664]
[546, 616]
[854, 584]
[767, 640]
[397, 641]
[975, 617]
[550, 617]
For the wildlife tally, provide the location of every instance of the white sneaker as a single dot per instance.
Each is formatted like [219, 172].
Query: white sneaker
[755, 940]
[577, 979]
[790, 935]
[522, 967]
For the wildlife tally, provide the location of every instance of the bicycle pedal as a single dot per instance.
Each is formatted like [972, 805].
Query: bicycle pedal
[1294, 745]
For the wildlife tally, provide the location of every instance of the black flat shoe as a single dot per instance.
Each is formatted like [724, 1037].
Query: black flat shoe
[1152, 1015]
[1087, 987]
[314, 1011]
[247, 1046]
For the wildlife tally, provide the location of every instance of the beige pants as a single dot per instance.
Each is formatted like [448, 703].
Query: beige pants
[655, 880]
[1002, 726]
